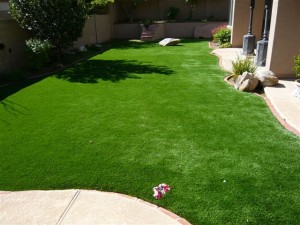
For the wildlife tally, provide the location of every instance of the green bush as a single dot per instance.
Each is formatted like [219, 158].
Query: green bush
[98, 6]
[297, 65]
[147, 22]
[38, 53]
[58, 21]
[222, 36]
[243, 65]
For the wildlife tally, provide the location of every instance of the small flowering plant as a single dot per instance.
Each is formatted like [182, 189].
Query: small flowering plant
[161, 190]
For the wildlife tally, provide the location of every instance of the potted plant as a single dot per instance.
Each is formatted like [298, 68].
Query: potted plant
[297, 71]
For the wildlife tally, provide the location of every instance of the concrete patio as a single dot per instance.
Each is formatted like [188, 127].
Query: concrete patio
[80, 207]
[280, 98]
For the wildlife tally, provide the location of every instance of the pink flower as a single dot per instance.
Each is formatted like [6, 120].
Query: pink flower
[157, 193]
[164, 188]
[161, 190]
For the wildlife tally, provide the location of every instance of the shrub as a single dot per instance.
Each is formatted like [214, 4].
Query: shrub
[217, 29]
[38, 52]
[147, 22]
[297, 65]
[243, 65]
[226, 45]
[222, 36]
[173, 13]
[58, 21]
[98, 6]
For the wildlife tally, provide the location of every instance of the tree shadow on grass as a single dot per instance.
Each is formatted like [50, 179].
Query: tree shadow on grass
[91, 71]
[10, 89]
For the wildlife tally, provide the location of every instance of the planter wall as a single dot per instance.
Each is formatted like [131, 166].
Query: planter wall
[191, 29]
[127, 31]
[164, 30]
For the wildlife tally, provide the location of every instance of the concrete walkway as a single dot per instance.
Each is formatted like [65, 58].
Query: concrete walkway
[280, 99]
[80, 207]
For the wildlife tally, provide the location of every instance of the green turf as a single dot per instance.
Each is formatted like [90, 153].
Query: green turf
[139, 115]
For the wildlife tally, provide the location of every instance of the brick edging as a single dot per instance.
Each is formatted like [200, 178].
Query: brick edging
[220, 58]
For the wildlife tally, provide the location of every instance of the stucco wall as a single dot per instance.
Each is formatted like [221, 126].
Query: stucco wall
[103, 30]
[127, 31]
[284, 38]
[158, 10]
[240, 20]
[12, 36]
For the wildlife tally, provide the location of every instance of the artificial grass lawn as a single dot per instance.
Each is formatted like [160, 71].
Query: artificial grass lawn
[139, 115]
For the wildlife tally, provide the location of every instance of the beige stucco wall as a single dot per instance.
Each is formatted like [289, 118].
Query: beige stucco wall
[240, 20]
[284, 38]
[12, 36]
[103, 27]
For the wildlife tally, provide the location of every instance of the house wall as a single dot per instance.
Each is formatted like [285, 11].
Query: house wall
[240, 20]
[284, 36]
[284, 41]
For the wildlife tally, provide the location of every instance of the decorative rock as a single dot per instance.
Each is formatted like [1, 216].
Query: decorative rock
[249, 84]
[266, 78]
[81, 48]
[241, 79]
[169, 42]
[246, 82]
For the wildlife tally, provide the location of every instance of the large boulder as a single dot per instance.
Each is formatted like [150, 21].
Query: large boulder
[266, 78]
[246, 82]
[249, 84]
[169, 42]
[241, 79]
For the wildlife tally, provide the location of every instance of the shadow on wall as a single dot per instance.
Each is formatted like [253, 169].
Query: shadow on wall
[91, 71]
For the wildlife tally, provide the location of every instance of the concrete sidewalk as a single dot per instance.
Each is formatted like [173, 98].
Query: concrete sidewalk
[280, 98]
[80, 207]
